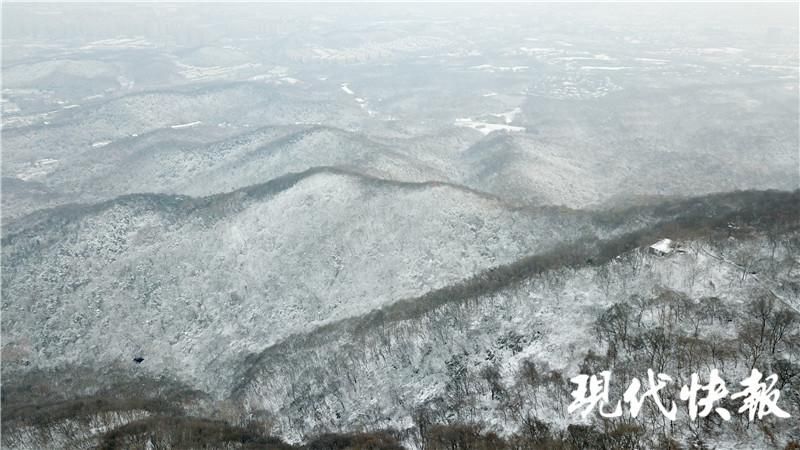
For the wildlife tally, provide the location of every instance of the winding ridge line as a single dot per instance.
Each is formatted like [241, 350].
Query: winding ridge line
[704, 216]
[229, 202]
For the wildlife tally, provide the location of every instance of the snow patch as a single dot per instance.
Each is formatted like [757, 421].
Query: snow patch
[652, 60]
[485, 127]
[118, 43]
[37, 169]
[509, 116]
[491, 68]
[186, 125]
[605, 67]
[196, 73]
[725, 50]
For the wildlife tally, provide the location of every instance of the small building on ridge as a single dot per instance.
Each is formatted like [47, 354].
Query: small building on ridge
[662, 248]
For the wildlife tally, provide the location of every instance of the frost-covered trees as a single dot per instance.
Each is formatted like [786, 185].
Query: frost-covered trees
[768, 328]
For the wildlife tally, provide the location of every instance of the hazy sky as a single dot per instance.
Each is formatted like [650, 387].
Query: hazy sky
[734, 15]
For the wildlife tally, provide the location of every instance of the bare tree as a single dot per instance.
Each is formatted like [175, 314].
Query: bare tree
[781, 325]
[614, 324]
[491, 375]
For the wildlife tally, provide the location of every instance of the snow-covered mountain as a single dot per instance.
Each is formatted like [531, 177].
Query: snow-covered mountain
[348, 227]
[262, 293]
[467, 359]
[191, 283]
[416, 348]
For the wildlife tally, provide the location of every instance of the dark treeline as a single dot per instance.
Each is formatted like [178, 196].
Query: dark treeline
[184, 433]
[709, 217]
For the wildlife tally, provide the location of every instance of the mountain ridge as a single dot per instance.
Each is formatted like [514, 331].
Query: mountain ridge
[573, 255]
[257, 191]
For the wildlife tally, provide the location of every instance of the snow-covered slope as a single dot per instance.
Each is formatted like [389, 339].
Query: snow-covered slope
[171, 161]
[245, 104]
[429, 357]
[296, 300]
[192, 284]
